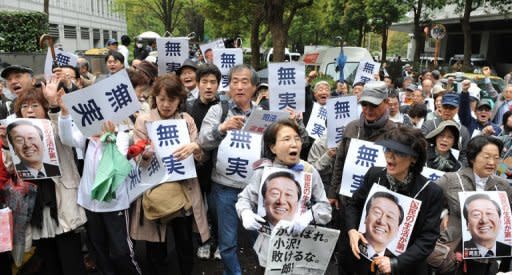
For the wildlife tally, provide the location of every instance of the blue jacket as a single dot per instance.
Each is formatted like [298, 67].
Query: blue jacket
[470, 122]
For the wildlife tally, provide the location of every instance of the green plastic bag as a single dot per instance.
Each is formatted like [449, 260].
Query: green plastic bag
[112, 170]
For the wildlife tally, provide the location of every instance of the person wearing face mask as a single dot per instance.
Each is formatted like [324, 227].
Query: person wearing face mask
[140, 51]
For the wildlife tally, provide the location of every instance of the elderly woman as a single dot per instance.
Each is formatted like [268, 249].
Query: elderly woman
[405, 153]
[483, 153]
[441, 140]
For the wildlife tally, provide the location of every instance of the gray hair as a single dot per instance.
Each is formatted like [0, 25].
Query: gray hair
[240, 67]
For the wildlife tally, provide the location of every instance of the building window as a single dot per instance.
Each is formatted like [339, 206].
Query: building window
[53, 30]
[96, 34]
[70, 32]
[106, 35]
[114, 35]
[84, 33]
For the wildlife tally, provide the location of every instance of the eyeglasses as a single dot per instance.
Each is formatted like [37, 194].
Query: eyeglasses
[396, 153]
[33, 106]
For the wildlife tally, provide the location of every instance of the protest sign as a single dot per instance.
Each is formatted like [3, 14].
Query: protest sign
[172, 52]
[340, 111]
[308, 253]
[432, 174]
[61, 57]
[109, 99]
[215, 44]
[287, 84]
[142, 178]
[316, 125]
[236, 154]
[361, 156]
[225, 59]
[366, 71]
[167, 136]
[400, 212]
[33, 148]
[259, 120]
[486, 224]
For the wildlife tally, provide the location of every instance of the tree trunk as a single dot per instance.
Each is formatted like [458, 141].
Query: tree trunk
[384, 44]
[46, 8]
[278, 32]
[419, 38]
[466, 29]
[360, 35]
[255, 40]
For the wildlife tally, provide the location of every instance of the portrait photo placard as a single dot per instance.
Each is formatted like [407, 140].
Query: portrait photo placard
[387, 222]
[486, 224]
[33, 148]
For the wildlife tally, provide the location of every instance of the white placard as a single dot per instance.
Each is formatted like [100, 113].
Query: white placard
[172, 52]
[432, 174]
[166, 136]
[366, 71]
[33, 148]
[287, 85]
[216, 44]
[361, 156]
[225, 59]
[308, 253]
[259, 120]
[400, 212]
[62, 58]
[316, 125]
[486, 224]
[141, 178]
[236, 154]
[109, 99]
[340, 111]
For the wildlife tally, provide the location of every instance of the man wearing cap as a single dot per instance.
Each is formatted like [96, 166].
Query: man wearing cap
[112, 45]
[449, 108]
[407, 70]
[373, 122]
[482, 123]
[19, 79]
[187, 75]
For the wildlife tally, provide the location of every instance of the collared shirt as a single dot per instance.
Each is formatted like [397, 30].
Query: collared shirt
[483, 250]
[36, 172]
[480, 184]
[371, 251]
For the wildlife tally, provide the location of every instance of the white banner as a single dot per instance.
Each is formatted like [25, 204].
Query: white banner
[287, 85]
[141, 178]
[216, 44]
[316, 125]
[259, 120]
[361, 156]
[225, 59]
[340, 111]
[366, 71]
[400, 212]
[237, 152]
[109, 99]
[62, 58]
[308, 253]
[432, 174]
[172, 52]
[166, 136]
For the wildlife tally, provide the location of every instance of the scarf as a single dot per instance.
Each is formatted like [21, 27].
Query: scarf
[45, 197]
[372, 127]
[400, 187]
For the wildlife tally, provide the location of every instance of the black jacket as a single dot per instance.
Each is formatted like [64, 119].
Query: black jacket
[426, 228]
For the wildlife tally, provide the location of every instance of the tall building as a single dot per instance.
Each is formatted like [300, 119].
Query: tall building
[77, 24]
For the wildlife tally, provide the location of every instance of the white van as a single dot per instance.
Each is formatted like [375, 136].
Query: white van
[324, 60]
[288, 56]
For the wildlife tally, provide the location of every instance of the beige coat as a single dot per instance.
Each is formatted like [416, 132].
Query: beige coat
[148, 230]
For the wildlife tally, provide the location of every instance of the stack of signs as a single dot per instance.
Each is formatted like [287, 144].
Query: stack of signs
[225, 59]
[33, 149]
[172, 52]
[400, 212]
[366, 71]
[237, 153]
[361, 156]
[110, 99]
[61, 57]
[316, 127]
[166, 136]
[340, 111]
[308, 253]
[487, 224]
[287, 86]
[259, 120]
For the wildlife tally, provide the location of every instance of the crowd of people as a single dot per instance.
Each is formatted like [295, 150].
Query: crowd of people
[425, 121]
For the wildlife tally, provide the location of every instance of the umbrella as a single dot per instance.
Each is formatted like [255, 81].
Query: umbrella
[148, 35]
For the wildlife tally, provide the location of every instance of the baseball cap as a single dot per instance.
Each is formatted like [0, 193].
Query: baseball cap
[111, 41]
[411, 88]
[450, 99]
[374, 92]
[485, 102]
[187, 64]
[16, 69]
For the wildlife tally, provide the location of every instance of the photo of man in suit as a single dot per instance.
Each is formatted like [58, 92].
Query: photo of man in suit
[27, 142]
[383, 218]
[281, 194]
[482, 215]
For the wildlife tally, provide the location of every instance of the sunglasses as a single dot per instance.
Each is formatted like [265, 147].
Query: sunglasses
[396, 153]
